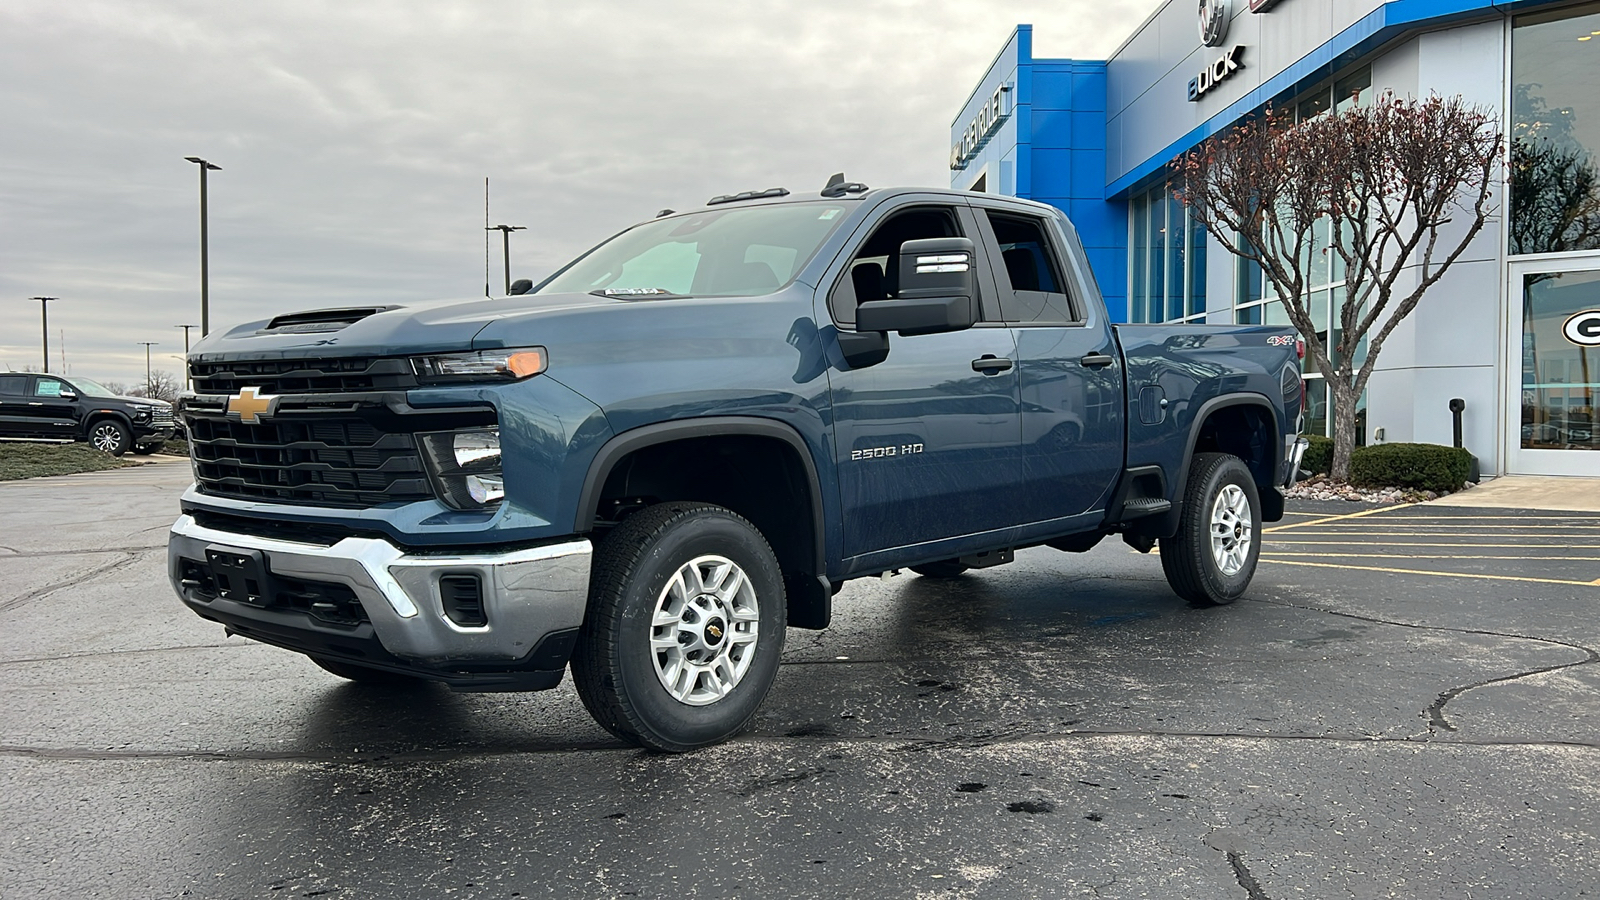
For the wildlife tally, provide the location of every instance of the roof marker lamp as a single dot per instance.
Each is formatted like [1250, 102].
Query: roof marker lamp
[466, 467]
[480, 366]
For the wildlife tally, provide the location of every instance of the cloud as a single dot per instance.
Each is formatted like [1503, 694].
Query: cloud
[354, 138]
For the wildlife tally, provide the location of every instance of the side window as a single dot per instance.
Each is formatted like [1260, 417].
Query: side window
[49, 387]
[1038, 295]
[15, 385]
[873, 272]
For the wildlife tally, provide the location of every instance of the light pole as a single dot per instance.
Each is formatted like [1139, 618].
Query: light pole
[185, 328]
[505, 234]
[44, 319]
[147, 346]
[205, 262]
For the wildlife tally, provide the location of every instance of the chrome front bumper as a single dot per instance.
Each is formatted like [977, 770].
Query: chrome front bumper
[527, 593]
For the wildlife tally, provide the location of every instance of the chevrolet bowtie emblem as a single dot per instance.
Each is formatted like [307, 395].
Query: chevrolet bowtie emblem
[250, 405]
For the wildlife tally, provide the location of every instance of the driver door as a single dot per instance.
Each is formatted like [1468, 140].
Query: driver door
[926, 441]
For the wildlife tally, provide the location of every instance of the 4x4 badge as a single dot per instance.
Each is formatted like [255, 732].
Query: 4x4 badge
[251, 405]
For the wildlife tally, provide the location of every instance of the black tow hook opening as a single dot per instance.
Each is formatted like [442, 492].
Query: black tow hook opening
[463, 600]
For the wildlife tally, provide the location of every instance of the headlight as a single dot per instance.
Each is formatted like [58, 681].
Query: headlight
[466, 466]
[483, 365]
[140, 413]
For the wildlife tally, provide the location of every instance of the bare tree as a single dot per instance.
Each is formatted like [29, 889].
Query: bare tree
[1387, 181]
[163, 386]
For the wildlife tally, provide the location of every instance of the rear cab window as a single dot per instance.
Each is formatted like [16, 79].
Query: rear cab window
[1032, 287]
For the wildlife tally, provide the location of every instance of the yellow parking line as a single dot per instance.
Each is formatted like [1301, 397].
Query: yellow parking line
[1366, 512]
[1593, 559]
[1475, 575]
[1469, 534]
[1328, 543]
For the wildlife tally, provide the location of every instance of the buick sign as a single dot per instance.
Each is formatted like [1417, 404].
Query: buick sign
[1583, 329]
[1213, 22]
[1221, 69]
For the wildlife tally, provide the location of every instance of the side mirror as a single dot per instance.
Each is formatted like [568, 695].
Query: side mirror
[68, 395]
[936, 292]
[520, 286]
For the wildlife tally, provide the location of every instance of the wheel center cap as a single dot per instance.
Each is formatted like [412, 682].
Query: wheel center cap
[714, 631]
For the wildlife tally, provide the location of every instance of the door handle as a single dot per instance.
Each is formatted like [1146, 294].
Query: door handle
[989, 364]
[1096, 360]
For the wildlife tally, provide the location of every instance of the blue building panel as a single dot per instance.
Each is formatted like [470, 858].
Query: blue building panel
[1053, 129]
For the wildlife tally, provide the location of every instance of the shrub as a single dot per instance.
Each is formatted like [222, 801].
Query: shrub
[1319, 456]
[1423, 467]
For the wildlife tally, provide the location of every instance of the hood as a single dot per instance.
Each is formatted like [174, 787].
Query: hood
[381, 330]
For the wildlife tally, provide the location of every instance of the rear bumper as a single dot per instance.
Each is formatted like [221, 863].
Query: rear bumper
[1294, 451]
[533, 600]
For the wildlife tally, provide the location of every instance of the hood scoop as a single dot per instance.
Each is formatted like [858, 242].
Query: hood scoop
[320, 321]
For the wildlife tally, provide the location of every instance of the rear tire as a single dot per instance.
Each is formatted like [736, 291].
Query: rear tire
[364, 675]
[146, 449]
[1213, 556]
[684, 628]
[944, 568]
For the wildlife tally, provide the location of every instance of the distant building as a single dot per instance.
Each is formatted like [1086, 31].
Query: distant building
[1505, 330]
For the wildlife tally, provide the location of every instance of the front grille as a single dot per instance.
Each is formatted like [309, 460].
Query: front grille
[302, 376]
[324, 460]
[162, 417]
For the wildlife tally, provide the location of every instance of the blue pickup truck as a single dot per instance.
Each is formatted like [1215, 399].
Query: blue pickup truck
[691, 436]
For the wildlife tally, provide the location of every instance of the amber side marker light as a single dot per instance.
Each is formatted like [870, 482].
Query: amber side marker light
[527, 362]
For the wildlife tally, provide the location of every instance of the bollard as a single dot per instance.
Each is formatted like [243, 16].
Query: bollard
[1457, 407]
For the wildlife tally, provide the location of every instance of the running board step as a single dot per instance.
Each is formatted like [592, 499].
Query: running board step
[1140, 507]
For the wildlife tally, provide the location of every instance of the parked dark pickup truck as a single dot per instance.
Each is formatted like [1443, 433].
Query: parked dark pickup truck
[693, 434]
[54, 409]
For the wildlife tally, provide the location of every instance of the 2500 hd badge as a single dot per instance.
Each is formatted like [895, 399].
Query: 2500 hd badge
[884, 452]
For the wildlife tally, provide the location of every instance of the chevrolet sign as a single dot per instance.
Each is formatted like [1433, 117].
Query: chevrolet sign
[983, 126]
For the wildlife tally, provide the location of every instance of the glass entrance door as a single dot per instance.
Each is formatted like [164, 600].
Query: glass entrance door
[1553, 376]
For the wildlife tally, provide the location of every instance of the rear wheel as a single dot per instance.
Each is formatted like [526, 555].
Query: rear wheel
[146, 449]
[944, 568]
[109, 436]
[364, 675]
[684, 628]
[1213, 556]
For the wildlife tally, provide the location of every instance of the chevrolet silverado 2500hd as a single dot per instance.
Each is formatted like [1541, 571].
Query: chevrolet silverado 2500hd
[689, 437]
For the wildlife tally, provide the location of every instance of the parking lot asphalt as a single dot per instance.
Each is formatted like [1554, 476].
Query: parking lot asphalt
[1403, 705]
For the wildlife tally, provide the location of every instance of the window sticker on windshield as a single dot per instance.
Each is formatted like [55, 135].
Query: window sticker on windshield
[48, 389]
[828, 214]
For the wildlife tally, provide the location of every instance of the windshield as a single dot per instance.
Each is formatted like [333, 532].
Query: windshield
[92, 388]
[716, 253]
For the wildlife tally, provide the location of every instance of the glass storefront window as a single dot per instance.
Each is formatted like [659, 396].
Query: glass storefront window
[1555, 131]
[1560, 360]
[1167, 259]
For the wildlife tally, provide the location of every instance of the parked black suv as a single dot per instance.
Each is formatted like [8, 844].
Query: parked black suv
[56, 408]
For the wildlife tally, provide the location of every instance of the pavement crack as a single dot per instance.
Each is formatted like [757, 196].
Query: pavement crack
[31, 554]
[1435, 711]
[78, 579]
[1241, 872]
[231, 645]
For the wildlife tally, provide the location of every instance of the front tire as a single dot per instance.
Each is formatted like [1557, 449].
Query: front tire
[1213, 556]
[110, 436]
[684, 628]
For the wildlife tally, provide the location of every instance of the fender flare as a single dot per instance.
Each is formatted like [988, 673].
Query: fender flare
[1204, 413]
[97, 415]
[634, 439]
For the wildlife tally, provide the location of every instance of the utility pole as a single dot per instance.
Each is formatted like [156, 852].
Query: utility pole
[186, 384]
[505, 234]
[147, 346]
[44, 318]
[205, 262]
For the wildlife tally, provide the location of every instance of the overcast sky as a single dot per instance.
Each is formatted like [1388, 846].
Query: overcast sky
[354, 138]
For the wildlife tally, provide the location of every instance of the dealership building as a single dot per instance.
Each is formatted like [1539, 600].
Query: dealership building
[1513, 329]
